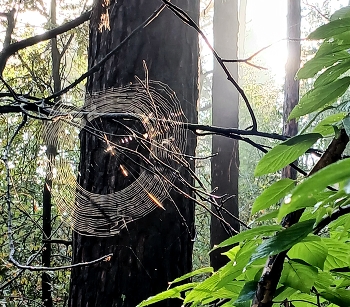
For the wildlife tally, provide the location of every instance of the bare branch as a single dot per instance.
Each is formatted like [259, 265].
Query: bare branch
[63, 267]
[189, 21]
[96, 67]
[15, 47]
[10, 27]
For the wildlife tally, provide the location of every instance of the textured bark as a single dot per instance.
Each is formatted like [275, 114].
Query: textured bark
[291, 87]
[225, 114]
[154, 250]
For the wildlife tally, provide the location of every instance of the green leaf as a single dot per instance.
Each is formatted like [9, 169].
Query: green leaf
[320, 97]
[171, 293]
[299, 275]
[283, 292]
[250, 234]
[339, 297]
[247, 292]
[283, 240]
[325, 127]
[285, 153]
[219, 279]
[319, 62]
[346, 123]
[345, 276]
[305, 300]
[228, 291]
[344, 12]
[232, 253]
[305, 194]
[273, 194]
[338, 254]
[312, 252]
[333, 72]
[269, 216]
[193, 273]
[331, 29]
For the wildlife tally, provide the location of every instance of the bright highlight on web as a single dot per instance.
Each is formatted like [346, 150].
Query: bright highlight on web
[149, 138]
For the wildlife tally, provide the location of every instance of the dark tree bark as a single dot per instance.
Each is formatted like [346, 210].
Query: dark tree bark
[225, 114]
[291, 87]
[155, 249]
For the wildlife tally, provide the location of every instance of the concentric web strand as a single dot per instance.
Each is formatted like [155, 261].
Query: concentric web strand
[150, 118]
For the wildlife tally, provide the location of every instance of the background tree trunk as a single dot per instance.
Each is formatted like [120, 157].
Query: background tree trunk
[46, 282]
[291, 87]
[157, 248]
[225, 166]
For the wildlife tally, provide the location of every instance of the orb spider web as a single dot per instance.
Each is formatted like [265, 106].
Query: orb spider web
[153, 139]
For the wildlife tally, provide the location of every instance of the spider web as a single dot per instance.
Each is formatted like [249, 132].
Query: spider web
[158, 132]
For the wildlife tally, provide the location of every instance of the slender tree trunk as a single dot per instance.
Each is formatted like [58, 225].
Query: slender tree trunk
[155, 249]
[225, 166]
[271, 275]
[291, 88]
[51, 153]
[242, 16]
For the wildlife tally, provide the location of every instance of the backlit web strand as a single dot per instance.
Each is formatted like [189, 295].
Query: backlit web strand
[157, 108]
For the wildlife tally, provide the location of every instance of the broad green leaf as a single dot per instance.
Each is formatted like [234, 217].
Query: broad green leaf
[171, 293]
[250, 234]
[218, 280]
[331, 29]
[345, 278]
[283, 292]
[285, 153]
[346, 123]
[338, 254]
[344, 12]
[339, 297]
[193, 273]
[333, 46]
[305, 300]
[305, 194]
[325, 280]
[283, 240]
[319, 62]
[339, 222]
[229, 291]
[320, 96]
[269, 216]
[314, 117]
[325, 127]
[333, 73]
[253, 271]
[247, 292]
[232, 253]
[299, 275]
[223, 277]
[312, 252]
[273, 194]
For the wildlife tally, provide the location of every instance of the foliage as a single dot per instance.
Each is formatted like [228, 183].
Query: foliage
[316, 269]
[30, 72]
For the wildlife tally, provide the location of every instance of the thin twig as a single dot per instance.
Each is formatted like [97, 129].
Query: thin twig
[189, 21]
[97, 66]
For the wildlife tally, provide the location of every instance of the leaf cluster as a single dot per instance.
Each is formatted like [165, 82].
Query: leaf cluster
[315, 249]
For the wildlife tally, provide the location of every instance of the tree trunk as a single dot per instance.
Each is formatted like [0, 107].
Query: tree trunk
[291, 87]
[225, 166]
[46, 282]
[153, 250]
